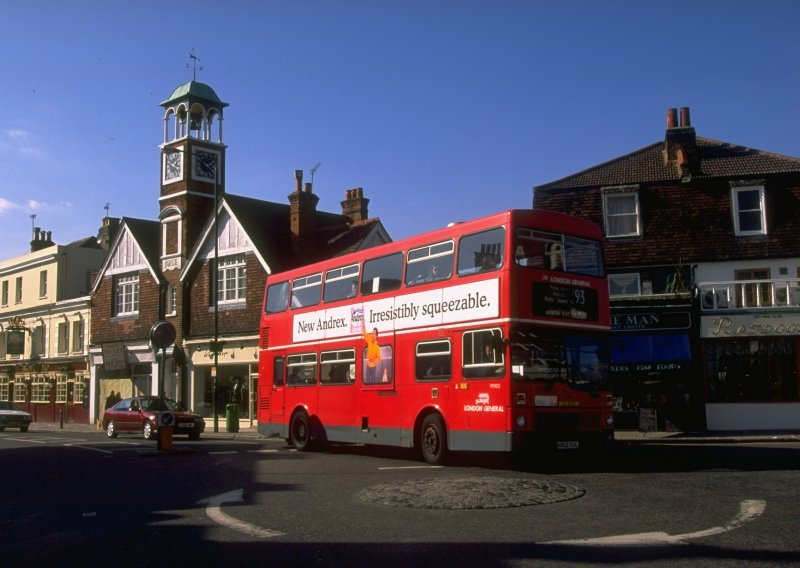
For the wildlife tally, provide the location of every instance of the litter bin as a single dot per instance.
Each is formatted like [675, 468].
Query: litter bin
[232, 417]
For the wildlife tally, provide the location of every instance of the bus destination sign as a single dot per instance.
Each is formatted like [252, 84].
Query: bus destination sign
[564, 301]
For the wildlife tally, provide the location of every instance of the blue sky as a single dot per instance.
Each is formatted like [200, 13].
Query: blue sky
[441, 110]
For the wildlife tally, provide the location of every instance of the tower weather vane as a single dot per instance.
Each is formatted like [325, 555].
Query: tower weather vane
[193, 65]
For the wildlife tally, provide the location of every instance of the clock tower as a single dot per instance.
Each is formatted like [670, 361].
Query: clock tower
[192, 168]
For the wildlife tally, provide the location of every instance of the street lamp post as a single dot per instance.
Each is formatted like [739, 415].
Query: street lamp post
[214, 286]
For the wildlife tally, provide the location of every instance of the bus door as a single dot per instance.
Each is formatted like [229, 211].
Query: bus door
[483, 392]
[378, 406]
[276, 390]
[337, 395]
[433, 373]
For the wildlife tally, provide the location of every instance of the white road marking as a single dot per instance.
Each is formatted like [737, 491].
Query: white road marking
[214, 511]
[223, 453]
[748, 511]
[262, 451]
[29, 440]
[410, 467]
[79, 446]
[102, 451]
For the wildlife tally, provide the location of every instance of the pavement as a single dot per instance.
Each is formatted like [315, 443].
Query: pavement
[707, 436]
[244, 432]
[623, 436]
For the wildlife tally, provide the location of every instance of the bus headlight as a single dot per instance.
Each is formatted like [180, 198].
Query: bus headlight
[520, 421]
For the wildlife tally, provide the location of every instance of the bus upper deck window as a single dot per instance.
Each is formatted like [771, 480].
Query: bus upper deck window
[306, 291]
[538, 249]
[277, 298]
[341, 283]
[430, 263]
[481, 252]
[382, 274]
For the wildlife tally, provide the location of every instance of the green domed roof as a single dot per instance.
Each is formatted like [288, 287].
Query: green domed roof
[194, 90]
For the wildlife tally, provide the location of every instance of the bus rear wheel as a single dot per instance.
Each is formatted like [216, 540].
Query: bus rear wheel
[433, 440]
[300, 432]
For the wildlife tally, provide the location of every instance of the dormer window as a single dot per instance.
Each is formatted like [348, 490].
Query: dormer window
[749, 210]
[621, 211]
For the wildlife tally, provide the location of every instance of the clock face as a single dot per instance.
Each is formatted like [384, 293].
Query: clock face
[205, 165]
[173, 167]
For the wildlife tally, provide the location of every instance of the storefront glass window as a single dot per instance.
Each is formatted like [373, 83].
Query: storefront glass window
[750, 370]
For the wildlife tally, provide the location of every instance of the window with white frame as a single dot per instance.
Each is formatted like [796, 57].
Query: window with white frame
[171, 228]
[40, 389]
[43, 284]
[749, 212]
[621, 214]
[77, 337]
[20, 391]
[126, 291]
[171, 305]
[79, 389]
[624, 284]
[231, 279]
[62, 388]
[4, 293]
[4, 387]
[18, 291]
[63, 337]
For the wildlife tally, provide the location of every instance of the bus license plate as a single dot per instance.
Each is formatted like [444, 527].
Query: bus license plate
[567, 445]
[186, 425]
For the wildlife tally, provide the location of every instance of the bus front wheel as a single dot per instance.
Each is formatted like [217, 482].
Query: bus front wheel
[300, 431]
[433, 441]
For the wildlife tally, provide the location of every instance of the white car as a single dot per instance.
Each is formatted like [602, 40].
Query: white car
[12, 416]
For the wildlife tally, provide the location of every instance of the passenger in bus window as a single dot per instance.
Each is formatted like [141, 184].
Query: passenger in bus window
[488, 263]
[553, 252]
[295, 377]
[373, 356]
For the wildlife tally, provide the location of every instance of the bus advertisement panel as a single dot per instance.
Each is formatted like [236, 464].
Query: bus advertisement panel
[482, 336]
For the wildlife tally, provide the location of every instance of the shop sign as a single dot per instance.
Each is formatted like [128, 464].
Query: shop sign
[761, 325]
[15, 341]
[114, 356]
[651, 321]
[651, 368]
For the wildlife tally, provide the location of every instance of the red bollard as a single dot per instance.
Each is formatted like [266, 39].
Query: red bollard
[165, 438]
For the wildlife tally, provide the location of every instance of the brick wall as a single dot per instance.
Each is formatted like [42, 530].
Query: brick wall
[688, 222]
[106, 327]
[231, 320]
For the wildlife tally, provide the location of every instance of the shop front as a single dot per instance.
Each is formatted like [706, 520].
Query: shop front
[751, 364]
[235, 382]
[124, 370]
[656, 383]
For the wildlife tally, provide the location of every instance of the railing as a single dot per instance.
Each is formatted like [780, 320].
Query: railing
[749, 294]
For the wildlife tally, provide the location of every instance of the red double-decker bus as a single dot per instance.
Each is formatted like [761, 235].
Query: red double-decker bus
[478, 336]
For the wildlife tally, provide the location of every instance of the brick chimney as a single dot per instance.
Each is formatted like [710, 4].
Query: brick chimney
[41, 239]
[302, 218]
[355, 205]
[107, 232]
[680, 144]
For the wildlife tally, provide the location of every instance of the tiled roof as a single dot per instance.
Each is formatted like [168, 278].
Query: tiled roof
[647, 165]
[267, 225]
[146, 234]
